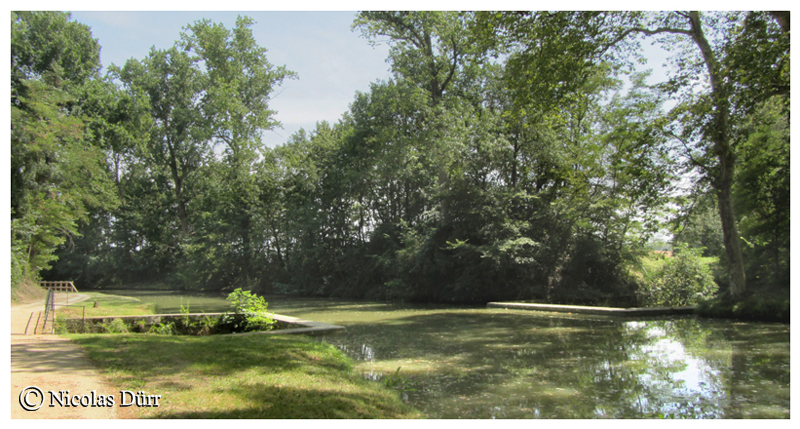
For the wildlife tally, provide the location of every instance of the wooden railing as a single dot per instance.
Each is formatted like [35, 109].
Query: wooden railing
[59, 286]
[50, 303]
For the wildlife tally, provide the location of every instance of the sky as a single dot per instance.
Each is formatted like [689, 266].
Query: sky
[331, 60]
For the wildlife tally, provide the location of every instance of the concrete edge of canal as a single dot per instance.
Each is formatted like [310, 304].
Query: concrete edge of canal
[609, 311]
[288, 325]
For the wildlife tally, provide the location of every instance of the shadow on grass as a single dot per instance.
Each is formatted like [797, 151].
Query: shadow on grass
[242, 376]
[215, 354]
[271, 402]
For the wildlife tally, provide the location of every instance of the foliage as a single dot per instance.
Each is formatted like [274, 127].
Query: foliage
[762, 195]
[162, 329]
[682, 280]
[701, 228]
[762, 306]
[487, 166]
[728, 51]
[57, 172]
[254, 309]
[115, 326]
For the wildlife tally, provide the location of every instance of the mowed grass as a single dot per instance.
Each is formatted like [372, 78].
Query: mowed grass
[232, 376]
[240, 376]
[107, 305]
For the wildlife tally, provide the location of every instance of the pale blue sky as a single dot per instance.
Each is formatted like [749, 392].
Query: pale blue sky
[332, 61]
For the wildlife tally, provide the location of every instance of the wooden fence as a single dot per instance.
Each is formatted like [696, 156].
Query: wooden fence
[59, 286]
[50, 304]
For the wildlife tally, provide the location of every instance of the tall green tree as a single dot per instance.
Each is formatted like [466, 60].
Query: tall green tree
[707, 121]
[240, 81]
[58, 171]
[742, 57]
[178, 144]
[428, 50]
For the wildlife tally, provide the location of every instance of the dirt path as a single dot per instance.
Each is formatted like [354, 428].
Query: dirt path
[50, 362]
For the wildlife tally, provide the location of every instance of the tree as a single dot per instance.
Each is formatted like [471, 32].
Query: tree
[711, 47]
[58, 171]
[429, 50]
[49, 43]
[240, 81]
[707, 122]
[192, 188]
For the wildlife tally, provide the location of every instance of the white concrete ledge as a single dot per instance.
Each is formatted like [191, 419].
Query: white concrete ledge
[306, 327]
[291, 325]
[609, 311]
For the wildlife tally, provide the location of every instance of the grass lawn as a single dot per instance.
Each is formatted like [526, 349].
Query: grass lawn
[241, 376]
[234, 376]
[107, 305]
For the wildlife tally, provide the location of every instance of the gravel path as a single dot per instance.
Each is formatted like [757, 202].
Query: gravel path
[50, 362]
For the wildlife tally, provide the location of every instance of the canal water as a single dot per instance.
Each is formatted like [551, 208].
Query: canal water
[456, 362]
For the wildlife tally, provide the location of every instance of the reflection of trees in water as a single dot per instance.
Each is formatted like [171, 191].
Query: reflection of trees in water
[510, 365]
[759, 373]
[750, 360]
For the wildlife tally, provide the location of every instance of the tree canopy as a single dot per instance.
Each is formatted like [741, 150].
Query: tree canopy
[510, 155]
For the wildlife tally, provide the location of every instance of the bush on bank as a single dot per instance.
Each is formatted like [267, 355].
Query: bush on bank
[763, 306]
[682, 280]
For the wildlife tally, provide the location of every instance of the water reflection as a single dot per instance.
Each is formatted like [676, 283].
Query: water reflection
[495, 363]
[482, 363]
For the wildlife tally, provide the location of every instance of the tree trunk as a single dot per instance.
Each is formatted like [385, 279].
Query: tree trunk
[730, 237]
[723, 182]
[177, 178]
[182, 216]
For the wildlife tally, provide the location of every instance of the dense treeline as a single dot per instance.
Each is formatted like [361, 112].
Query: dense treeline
[490, 166]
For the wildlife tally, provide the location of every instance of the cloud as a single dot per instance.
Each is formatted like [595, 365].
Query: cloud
[332, 61]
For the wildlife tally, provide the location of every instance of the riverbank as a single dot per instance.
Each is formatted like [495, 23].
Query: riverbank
[241, 376]
[225, 376]
[762, 306]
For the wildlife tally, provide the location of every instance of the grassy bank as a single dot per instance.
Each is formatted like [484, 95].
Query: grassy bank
[102, 304]
[232, 376]
[762, 305]
[241, 376]
[25, 292]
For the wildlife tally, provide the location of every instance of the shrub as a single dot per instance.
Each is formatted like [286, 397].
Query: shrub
[116, 326]
[254, 310]
[683, 280]
[162, 329]
[760, 305]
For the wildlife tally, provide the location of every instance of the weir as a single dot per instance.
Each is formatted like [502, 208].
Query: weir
[286, 325]
[608, 311]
